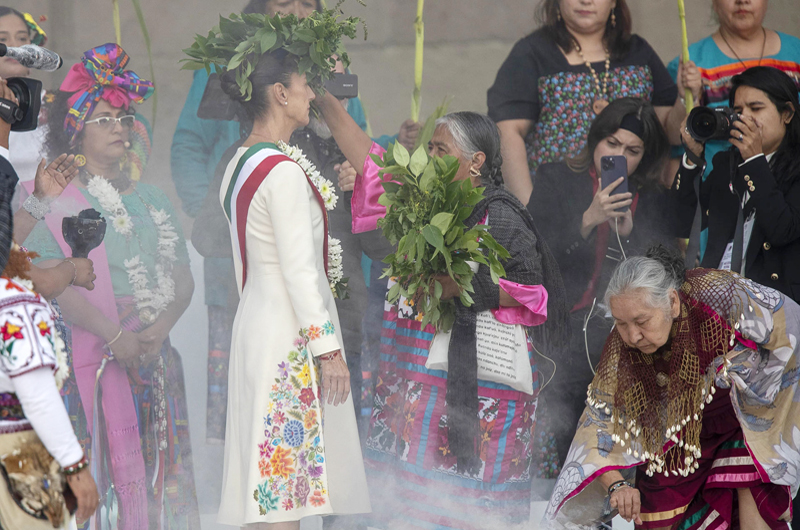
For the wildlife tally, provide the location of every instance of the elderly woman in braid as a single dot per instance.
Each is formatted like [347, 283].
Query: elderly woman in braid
[452, 436]
[694, 399]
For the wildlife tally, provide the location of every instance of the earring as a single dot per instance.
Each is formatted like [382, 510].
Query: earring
[127, 145]
[473, 172]
[558, 14]
[614, 17]
[285, 102]
[80, 160]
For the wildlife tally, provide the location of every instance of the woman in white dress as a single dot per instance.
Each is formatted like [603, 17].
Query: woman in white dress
[292, 449]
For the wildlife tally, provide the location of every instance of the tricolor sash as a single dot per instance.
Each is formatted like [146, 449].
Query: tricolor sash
[240, 188]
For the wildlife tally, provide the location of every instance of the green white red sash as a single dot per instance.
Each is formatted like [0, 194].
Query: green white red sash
[251, 170]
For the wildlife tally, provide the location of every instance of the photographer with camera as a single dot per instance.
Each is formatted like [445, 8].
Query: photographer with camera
[750, 202]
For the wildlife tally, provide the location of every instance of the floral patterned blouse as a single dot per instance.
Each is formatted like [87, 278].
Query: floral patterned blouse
[537, 83]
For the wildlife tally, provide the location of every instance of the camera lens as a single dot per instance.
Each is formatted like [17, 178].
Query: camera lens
[607, 164]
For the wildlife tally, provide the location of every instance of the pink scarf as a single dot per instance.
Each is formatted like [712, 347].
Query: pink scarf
[122, 426]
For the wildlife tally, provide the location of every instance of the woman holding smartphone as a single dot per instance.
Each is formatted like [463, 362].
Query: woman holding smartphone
[589, 222]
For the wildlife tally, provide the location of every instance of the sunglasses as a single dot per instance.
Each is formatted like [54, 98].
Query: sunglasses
[107, 122]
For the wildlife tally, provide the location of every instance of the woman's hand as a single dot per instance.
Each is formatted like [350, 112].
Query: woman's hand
[623, 225]
[450, 289]
[347, 176]
[693, 145]
[689, 77]
[127, 349]
[604, 206]
[335, 379]
[82, 270]
[83, 486]
[53, 178]
[409, 131]
[629, 503]
[746, 135]
[151, 341]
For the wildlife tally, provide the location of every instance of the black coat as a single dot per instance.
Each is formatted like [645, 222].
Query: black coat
[773, 254]
[559, 199]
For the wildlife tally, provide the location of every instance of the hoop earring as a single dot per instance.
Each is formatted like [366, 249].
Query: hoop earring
[473, 172]
[80, 160]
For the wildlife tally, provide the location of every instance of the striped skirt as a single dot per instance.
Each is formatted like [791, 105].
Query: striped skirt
[411, 472]
[707, 499]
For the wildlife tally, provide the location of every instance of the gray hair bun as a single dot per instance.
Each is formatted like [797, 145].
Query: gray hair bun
[670, 259]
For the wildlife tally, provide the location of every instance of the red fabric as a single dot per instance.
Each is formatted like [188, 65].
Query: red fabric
[600, 247]
[710, 492]
[245, 197]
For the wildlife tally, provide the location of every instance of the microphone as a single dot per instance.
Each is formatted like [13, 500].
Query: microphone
[33, 56]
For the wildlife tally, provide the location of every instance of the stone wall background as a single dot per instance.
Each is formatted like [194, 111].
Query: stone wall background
[466, 41]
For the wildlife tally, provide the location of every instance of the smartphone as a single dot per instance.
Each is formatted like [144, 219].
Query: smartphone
[215, 104]
[611, 169]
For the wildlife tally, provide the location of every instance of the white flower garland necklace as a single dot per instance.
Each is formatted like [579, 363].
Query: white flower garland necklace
[329, 198]
[150, 302]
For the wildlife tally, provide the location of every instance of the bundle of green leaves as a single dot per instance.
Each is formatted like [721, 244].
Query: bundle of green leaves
[238, 42]
[425, 214]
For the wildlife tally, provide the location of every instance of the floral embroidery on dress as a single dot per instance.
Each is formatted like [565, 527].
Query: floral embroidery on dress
[11, 334]
[292, 457]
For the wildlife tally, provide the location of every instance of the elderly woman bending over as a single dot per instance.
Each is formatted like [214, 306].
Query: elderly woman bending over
[693, 396]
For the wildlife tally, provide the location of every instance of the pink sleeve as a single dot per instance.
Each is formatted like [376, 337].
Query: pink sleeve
[533, 310]
[365, 208]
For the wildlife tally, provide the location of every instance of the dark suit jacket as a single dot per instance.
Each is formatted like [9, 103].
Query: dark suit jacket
[773, 254]
[559, 199]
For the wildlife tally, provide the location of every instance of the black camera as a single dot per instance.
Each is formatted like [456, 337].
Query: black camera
[24, 116]
[706, 124]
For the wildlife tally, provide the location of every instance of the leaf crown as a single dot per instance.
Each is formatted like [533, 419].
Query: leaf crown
[239, 41]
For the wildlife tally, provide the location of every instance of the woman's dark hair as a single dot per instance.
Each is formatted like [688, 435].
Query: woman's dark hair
[782, 91]
[656, 143]
[56, 138]
[260, 6]
[275, 67]
[472, 133]
[5, 10]
[617, 37]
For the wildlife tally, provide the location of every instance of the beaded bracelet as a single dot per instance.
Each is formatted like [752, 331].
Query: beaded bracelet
[74, 469]
[330, 356]
[618, 485]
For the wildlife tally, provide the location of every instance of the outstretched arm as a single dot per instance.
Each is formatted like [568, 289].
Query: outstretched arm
[354, 143]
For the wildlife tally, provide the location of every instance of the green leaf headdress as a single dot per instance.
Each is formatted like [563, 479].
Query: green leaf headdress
[238, 42]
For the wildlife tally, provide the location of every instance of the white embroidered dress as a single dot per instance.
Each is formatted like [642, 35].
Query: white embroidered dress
[281, 463]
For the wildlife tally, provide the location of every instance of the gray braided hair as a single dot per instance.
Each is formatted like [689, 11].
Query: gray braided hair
[473, 133]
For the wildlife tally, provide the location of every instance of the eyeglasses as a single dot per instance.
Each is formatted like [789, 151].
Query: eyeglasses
[108, 123]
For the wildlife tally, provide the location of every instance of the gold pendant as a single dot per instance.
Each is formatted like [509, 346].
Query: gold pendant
[599, 105]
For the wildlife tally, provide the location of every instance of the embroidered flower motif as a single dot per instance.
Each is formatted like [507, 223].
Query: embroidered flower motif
[307, 396]
[292, 456]
[10, 331]
[267, 501]
[281, 463]
[328, 328]
[314, 332]
[305, 376]
[293, 433]
[317, 499]
[44, 329]
[310, 420]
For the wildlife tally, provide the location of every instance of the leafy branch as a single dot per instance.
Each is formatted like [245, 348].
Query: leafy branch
[425, 214]
[238, 42]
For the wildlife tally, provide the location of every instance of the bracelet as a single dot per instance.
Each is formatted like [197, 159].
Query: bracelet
[115, 339]
[38, 209]
[75, 273]
[74, 469]
[330, 356]
[618, 485]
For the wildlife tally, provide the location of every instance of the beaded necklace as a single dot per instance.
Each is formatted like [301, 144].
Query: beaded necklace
[602, 101]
